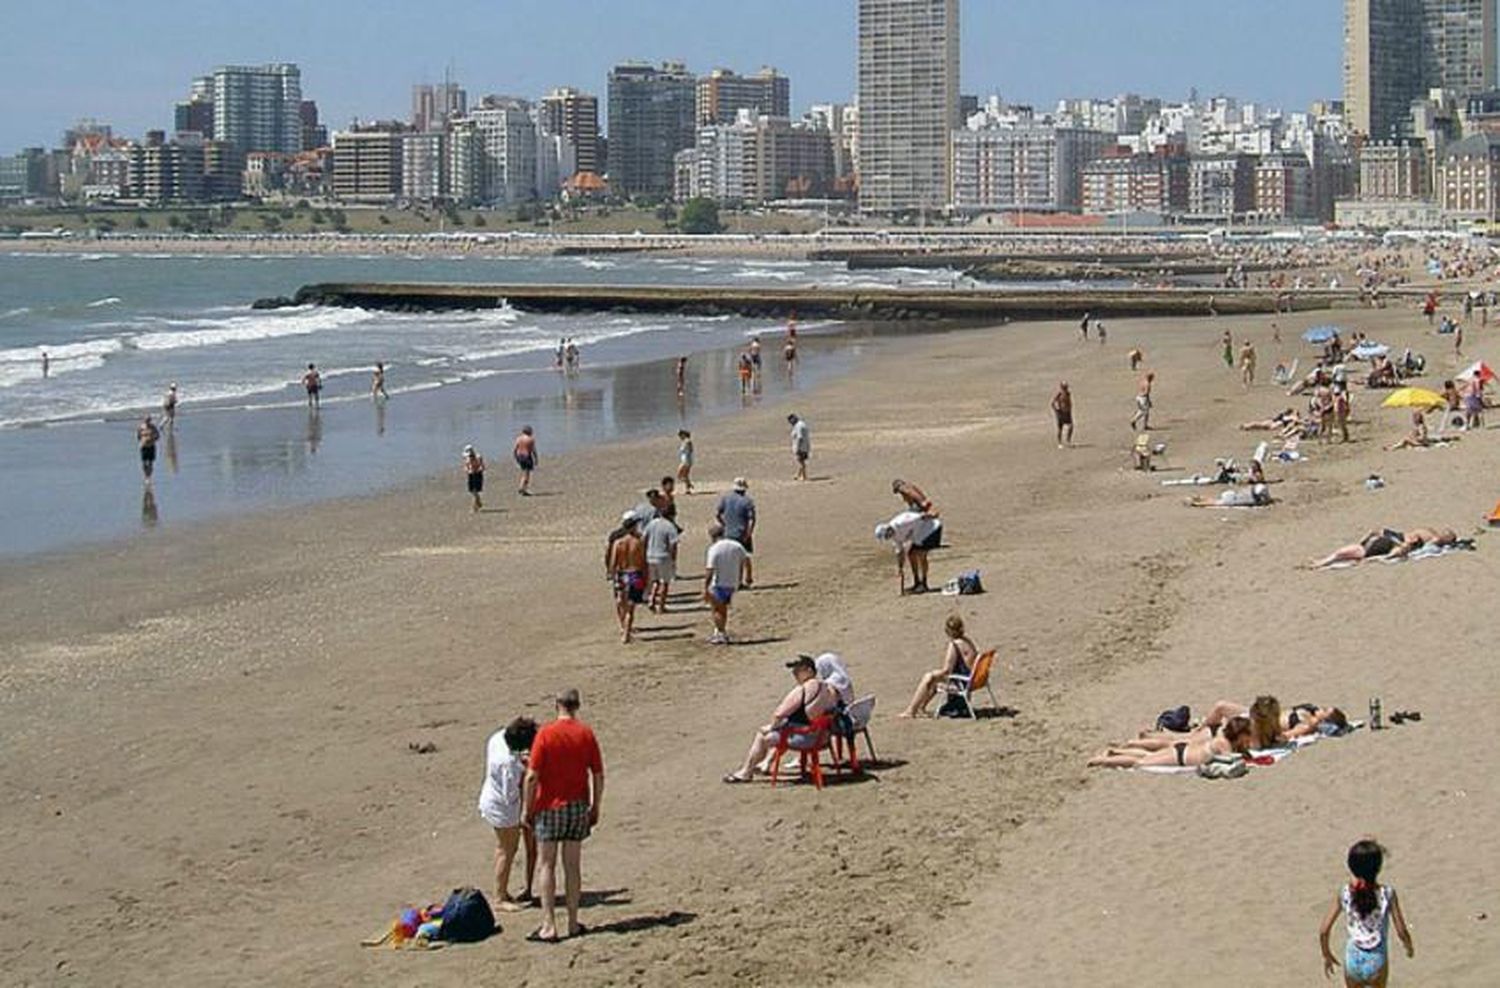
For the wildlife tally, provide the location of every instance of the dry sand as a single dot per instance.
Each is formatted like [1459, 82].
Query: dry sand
[207, 776]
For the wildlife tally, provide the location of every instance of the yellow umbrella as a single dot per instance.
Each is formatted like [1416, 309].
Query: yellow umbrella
[1414, 398]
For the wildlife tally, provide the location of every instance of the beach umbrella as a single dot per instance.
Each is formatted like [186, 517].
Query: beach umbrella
[1414, 398]
[1320, 334]
[1367, 350]
[1480, 370]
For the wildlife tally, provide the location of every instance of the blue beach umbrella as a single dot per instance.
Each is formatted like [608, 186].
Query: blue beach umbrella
[1320, 334]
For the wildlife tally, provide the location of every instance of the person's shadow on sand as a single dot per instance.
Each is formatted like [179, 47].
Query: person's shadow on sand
[640, 924]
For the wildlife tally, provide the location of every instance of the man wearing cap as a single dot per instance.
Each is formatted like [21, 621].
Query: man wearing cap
[627, 568]
[801, 445]
[914, 535]
[809, 699]
[561, 796]
[721, 575]
[736, 513]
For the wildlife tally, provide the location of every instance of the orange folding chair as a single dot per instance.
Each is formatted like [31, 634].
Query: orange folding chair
[966, 686]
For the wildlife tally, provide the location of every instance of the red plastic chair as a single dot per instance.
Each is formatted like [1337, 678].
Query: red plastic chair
[812, 741]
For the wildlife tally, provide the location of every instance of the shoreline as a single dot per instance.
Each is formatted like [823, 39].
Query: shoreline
[259, 701]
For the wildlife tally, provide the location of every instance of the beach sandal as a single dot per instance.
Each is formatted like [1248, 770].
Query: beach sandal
[735, 779]
[535, 936]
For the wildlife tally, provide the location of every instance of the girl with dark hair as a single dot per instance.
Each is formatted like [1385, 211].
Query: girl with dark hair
[1369, 908]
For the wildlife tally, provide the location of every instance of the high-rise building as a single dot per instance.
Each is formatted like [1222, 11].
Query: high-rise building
[757, 159]
[196, 113]
[1397, 50]
[1028, 167]
[722, 94]
[908, 103]
[163, 171]
[574, 116]
[1221, 186]
[433, 105]
[314, 134]
[367, 163]
[506, 150]
[1137, 183]
[652, 113]
[424, 166]
[258, 108]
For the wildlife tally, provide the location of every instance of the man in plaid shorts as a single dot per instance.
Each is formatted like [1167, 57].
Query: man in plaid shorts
[562, 793]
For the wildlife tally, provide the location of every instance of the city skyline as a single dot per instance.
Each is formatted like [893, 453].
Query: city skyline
[365, 66]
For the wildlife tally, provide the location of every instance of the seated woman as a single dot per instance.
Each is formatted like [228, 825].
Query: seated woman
[957, 660]
[831, 670]
[809, 699]
[1257, 496]
[1235, 739]
[1418, 437]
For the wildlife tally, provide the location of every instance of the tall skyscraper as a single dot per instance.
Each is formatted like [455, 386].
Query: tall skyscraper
[574, 116]
[432, 106]
[652, 116]
[258, 108]
[908, 103]
[1396, 50]
[505, 138]
[722, 94]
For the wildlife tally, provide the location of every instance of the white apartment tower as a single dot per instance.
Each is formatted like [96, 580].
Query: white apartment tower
[258, 108]
[908, 103]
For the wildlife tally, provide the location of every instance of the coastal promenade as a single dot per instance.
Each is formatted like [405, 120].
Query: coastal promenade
[959, 303]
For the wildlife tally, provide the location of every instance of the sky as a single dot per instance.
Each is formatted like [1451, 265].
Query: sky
[127, 63]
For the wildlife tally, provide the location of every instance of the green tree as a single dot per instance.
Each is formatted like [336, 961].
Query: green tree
[699, 216]
[479, 220]
[141, 223]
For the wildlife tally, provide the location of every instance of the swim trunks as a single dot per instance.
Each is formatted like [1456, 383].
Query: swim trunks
[476, 483]
[723, 594]
[631, 584]
[567, 822]
[525, 462]
[148, 453]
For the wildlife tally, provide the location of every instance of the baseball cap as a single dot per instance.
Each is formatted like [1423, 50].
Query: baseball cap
[628, 517]
[740, 483]
[884, 531]
[803, 660]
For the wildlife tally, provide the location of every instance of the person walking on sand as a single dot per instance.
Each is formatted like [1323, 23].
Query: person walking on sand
[1228, 343]
[1141, 420]
[474, 473]
[736, 512]
[1136, 356]
[169, 407]
[563, 794]
[1083, 326]
[721, 575]
[681, 374]
[1103, 333]
[627, 568]
[1368, 908]
[506, 753]
[1341, 409]
[1062, 411]
[377, 382]
[661, 537]
[526, 457]
[1458, 341]
[1276, 333]
[312, 381]
[747, 371]
[801, 445]
[1247, 363]
[146, 436]
[685, 460]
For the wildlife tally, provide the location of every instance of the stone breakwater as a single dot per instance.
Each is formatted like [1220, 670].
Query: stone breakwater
[976, 305]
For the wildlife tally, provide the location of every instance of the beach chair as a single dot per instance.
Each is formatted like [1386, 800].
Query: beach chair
[809, 743]
[859, 713]
[966, 686]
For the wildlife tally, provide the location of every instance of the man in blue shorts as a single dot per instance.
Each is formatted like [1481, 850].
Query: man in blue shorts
[720, 577]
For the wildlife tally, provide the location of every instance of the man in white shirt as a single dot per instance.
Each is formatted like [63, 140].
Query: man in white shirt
[721, 576]
[801, 445]
[914, 535]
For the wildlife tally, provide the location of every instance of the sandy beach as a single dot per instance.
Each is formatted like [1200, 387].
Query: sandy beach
[209, 775]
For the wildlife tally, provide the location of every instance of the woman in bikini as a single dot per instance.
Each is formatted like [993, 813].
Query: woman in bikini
[1234, 739]
[810, 699]
[958, 659]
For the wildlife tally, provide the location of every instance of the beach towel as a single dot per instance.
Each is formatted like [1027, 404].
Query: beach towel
[1434, 551]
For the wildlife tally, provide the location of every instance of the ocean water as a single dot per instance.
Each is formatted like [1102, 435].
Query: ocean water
[118, 329]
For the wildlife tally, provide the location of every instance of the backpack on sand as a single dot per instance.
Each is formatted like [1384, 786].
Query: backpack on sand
[467, 917]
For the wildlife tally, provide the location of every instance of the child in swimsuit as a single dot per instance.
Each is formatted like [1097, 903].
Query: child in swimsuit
[1368, 908]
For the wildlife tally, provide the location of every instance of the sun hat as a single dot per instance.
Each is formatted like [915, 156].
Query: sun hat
[740, 483]
[628, 518]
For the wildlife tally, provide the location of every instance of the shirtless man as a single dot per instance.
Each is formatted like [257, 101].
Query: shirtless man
[914, 498]
[1062, 410]
[627, 568]
[377, 382]
[526, 458]
[146, 435]
[681, 373]
[169, 407]
[1247, 363]
[1141, 420]
[313, 382]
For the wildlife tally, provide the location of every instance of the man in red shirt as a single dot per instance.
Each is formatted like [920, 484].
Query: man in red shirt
[561, 797]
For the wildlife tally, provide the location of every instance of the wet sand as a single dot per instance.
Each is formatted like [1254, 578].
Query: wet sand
[215, 724]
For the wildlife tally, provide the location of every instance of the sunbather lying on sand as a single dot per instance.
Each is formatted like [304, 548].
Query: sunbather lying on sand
[1396, 545]
[1187, 753]
[1276, 423]
[1258, 496]
[1267, 726]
